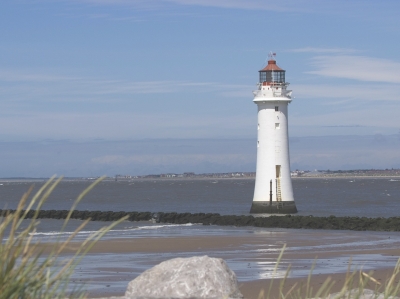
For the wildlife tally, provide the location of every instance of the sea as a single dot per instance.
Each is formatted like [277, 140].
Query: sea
[362, 197]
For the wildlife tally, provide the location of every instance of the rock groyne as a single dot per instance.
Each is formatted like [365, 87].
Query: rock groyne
[288, 221]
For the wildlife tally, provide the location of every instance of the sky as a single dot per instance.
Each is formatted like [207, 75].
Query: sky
[93, 87]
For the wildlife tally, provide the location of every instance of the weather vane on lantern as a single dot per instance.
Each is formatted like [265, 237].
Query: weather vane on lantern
[271, 55]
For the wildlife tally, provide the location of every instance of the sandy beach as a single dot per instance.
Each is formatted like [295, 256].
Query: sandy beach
[111, 264]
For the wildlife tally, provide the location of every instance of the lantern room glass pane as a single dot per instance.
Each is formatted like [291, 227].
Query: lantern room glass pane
[272, 76]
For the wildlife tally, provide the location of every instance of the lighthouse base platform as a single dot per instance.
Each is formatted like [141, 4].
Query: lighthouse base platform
[275, 207]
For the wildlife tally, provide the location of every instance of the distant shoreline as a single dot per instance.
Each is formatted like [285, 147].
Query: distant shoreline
[108, 179]
[348, 177]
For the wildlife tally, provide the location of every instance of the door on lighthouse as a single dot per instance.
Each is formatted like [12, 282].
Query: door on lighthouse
[278, 183]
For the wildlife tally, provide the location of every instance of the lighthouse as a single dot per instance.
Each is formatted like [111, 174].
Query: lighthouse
[273, 192]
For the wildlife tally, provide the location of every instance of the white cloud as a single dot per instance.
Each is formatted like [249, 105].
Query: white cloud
[27, 90]
[241, 4]
[322, 50]
[156, 8]
[346, 152]
[345, 109]
[122, 125]
[20, 86]
[361, 68]
[353, 118]
[138, 157]
[27, 76]
[269, 5]
[47, 86]
[341, 7]
[349, 92]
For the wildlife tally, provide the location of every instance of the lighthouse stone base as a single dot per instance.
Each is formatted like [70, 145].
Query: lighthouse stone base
[267, 207]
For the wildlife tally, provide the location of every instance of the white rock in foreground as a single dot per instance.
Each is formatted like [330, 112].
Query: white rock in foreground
[194, 277]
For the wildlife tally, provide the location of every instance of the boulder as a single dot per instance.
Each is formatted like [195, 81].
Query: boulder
[194, 277]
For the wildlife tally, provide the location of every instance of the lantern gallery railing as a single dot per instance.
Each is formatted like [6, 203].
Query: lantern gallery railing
[276, 94]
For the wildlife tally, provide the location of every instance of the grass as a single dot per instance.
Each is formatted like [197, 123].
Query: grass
[25, 272]
[355, 283]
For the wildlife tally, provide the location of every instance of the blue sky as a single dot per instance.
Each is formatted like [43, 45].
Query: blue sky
[94, 72]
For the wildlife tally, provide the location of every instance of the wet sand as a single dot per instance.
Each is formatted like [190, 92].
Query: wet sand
[252, 289]
[111, 264]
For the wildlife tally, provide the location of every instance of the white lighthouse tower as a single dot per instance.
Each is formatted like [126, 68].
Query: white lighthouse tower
[273, 191]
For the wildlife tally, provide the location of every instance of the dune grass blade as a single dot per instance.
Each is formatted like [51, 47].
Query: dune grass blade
[25, 272]
[354, 286]
[274, 273]
[79, 198]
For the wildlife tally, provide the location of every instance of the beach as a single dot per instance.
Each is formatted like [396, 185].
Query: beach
[251, 253]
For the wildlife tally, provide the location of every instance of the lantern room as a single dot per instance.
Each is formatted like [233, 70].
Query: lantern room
[272, 74]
